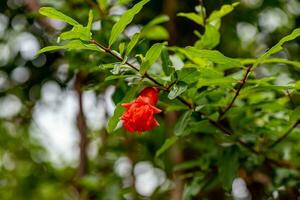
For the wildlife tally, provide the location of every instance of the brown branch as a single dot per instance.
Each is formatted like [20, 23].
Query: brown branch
[285, 135]
[268, 160]
[146, 75]
[92, 4]
[82, 128]
[242, 83]
[188, 104]
[290, 97]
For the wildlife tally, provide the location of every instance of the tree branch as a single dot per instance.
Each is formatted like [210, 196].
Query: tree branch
[190, 106]
[285, 135]
[146, 75]
[81, 125]
[242, 83]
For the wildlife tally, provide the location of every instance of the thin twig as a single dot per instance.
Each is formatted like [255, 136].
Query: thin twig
[290, 97]
[242, 83]
[146, 75]
[92, 4]
[285, 135]
[190, 106]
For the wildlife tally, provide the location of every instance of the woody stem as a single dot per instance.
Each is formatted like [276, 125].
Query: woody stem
[146, 75]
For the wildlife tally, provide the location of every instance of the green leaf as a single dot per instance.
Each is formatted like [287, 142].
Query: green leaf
[155, 33]
[217, 81]
[277, 47]
[113, 77]
[192, 16]
[181, 125]
[228, 166]
[151, 56]
[166, 62]
[90, 21]
[125, 19]
[295, 116]
[210, 39]
[211, 55]
[158, 20]
[121, 48]
[55, 14]
[134, 40]
[248, 61]
[225, 9]
[121, 2]
[188, 75]
[168, 143]
[78, 32]
[113, 121]
[177, 89]
[192, 189]
[75, 44]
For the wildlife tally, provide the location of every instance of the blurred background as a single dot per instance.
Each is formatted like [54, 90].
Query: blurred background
[53, 142]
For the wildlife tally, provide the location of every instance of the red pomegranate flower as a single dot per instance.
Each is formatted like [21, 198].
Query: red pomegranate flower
[139, 114]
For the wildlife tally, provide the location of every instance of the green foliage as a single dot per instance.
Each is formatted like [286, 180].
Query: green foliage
[55, 14]
[73, 45]
[167, 144]
[151, 56]
[230, 114]
[125, 19]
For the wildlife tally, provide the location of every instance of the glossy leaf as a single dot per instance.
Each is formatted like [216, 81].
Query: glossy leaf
[73, 45]
[181, 125]
[166, 62]
[192, 16]
[134, 40]
[228, 166]
[125, 19]
[277, 47]
[168, 144]
[210, 39]
[177, 89]
[151, 56]
[78, 32]
[211, 55]
[225, 9]
[55, 14]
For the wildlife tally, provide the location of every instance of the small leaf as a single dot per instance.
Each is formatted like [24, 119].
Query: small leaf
[228, 166]
[151, 56]
[90, 21]
[113, 121]
[75, 44]
[225, 9]
[168, 143]
[210, 39]
[134, 40]
[277, 47]
[177, 89]
[211, 55]
[121, 48]
[55, 14]
[155, 33]
[158, 20]
[181, 125]
[125, 19]
[188, 75]
[295, 116]
[78, 32]
[193, 16]
[217, 81]
[166, 62]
